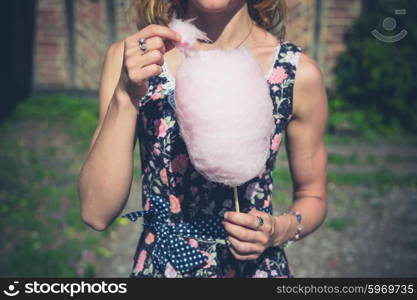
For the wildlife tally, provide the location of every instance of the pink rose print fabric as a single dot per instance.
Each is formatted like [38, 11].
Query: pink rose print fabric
[182, 211]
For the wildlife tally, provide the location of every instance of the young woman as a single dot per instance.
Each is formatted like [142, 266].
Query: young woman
[191, 228]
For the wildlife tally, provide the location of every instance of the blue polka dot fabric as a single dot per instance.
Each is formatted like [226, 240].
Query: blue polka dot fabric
[168, 246]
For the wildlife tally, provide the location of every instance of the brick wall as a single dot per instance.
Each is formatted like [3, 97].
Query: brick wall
[125, 26]
[318, 26]
[71, 40]
[50, 51]
[338, 16]
[73, 35]
[91, 41]
[300, 25]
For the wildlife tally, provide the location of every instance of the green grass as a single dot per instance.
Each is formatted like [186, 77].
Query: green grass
[338, 224]
[347, 125]
[340, 159]
[44, 142]
[356, 159]
[400, 159]
[373, 178]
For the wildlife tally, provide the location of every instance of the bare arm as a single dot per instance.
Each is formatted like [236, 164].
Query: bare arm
[106, 176]
[306, 150]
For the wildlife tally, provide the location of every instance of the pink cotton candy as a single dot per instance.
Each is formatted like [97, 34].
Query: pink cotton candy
[189, 33]
[224, 110]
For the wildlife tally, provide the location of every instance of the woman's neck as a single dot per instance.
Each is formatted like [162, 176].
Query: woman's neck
[226, 29]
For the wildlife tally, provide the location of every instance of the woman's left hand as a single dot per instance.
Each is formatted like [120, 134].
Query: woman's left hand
[248, 241]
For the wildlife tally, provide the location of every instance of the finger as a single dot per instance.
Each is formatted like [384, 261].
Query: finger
[138, 61]
[156, 30]
[137, 75]
[243, 257]
[268, 219]
[151, 70]
[243, 219]
[244, 248]
[152, 57]
[242, 233]
[153, 43]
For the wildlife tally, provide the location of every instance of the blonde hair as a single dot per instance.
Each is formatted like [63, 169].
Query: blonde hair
[268, 14]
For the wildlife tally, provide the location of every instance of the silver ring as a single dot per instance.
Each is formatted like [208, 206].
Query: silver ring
[142, 44]
[260, 222]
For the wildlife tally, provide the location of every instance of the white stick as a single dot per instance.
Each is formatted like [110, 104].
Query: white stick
[236, 199]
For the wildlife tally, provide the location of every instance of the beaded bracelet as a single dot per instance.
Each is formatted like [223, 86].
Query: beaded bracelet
[299, 228]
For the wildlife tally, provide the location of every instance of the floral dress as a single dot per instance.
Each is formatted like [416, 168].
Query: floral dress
[183, 235]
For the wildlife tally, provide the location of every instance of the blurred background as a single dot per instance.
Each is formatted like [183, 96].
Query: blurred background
[52, 56]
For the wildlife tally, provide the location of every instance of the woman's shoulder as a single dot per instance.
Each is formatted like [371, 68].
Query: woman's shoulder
[308, 84]
[115, 50]
[309, 72]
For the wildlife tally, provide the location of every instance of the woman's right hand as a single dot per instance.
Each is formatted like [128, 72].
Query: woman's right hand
[138, 66]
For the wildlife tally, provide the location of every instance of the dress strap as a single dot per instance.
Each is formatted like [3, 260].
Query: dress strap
[282, 81]
[274, 61]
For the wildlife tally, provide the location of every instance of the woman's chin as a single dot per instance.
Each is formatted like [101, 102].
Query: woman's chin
[215, 6]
